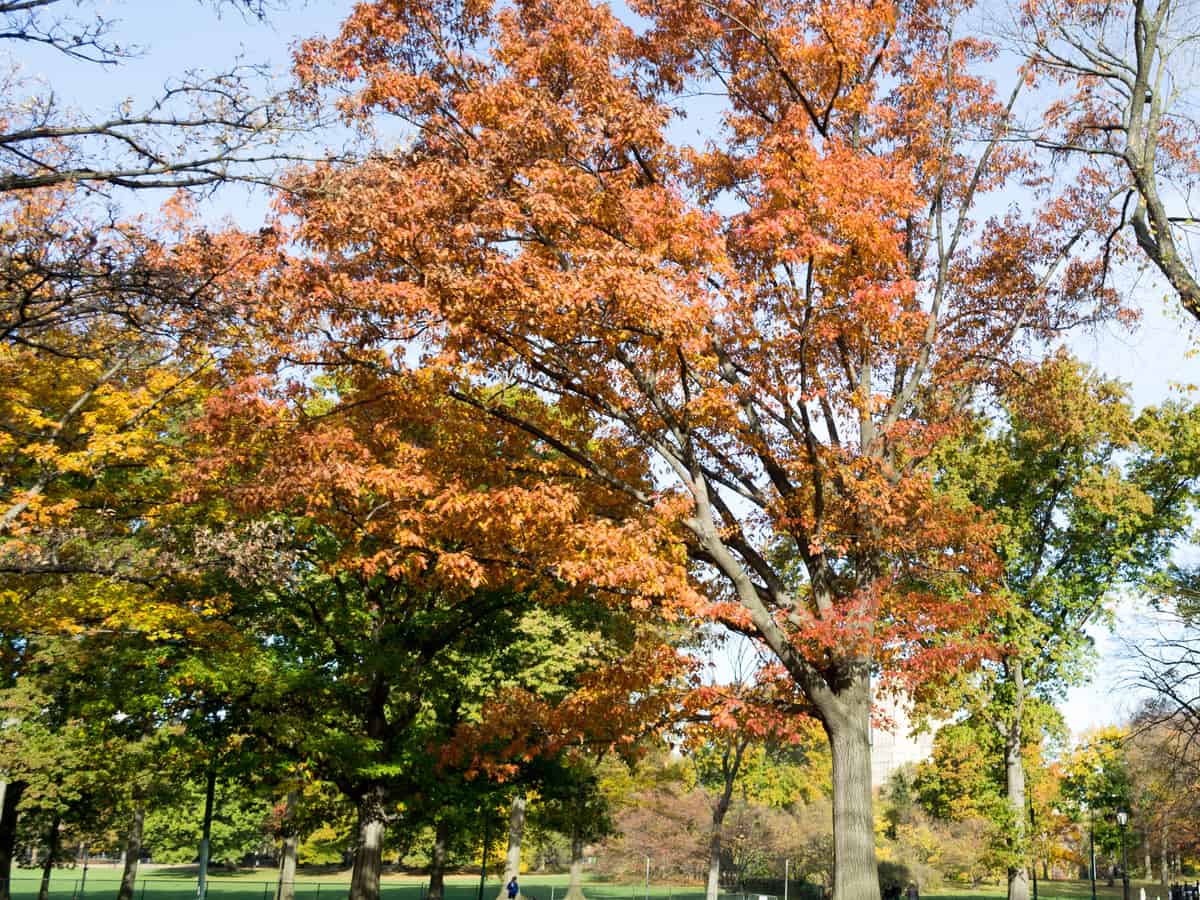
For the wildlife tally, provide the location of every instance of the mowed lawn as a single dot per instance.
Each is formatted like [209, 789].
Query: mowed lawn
[259, 884]
[179, 883]
[1051, 890]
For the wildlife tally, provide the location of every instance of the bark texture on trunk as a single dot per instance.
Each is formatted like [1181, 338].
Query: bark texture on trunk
[575, 879]
[437, 860]
[286, 888]
[1014, 779]
[48, 863]
[1014, 773]
[731, 763]
[847, 721]
[132, 853]
[287, 867]
[8, 833]
[516, 834]
[713, 885]
[368, 856]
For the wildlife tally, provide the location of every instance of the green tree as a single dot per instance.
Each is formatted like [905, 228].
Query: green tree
[1088, 497]
[1096, 783]
[964, 776]
[239, 827]
[573, 805]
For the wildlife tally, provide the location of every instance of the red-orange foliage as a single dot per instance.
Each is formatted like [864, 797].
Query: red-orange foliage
[421, 491]
[755, 342]
[610, 708]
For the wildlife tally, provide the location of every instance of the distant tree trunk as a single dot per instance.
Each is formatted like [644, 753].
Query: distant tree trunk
[210, 790]
[51, 855]
[1014, 775]
[1165, 869]
[731, 762]
[8, 833]
[1149, 869]
[368, 857]
[516, 833]
[286, 889]
[133, 852]
[437, 860]
[1045, 870]
[575, 879]
[287, 867]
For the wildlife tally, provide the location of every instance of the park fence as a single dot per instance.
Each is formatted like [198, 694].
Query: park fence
[793, 889]
[74, 884]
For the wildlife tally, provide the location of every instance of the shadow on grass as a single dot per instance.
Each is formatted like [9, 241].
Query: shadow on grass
[329, 883]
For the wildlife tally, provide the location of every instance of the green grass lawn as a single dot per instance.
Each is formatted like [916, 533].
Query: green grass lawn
[179, 883]
[1050, 890]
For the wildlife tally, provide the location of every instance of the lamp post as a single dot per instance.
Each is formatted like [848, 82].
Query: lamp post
[1122, 821]
[486, 839]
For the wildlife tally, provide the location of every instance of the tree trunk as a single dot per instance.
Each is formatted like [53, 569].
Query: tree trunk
[1149, 869]
[1014, 777]
[286, 889]
[8, 833]
[368, 856]
[1014, 774]
[210, 790]
[847, 721]
[287, 867]
[575, 879]
[437, 860]
[1165, 871]
[713, 885]
[51, 855]
[731, 762]
[133, 852]
[516, 833]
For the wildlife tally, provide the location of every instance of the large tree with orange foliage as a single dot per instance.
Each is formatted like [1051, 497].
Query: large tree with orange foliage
[446, 621]
[754, 339]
